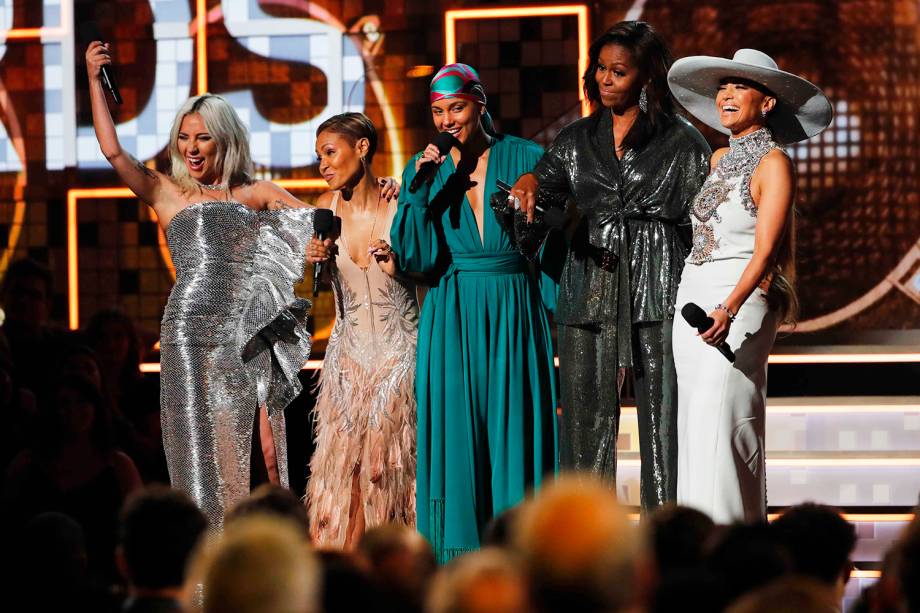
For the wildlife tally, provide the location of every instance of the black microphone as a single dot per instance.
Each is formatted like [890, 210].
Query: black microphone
[444, 141]
[697, 318]
[323, 220]
[89, 32]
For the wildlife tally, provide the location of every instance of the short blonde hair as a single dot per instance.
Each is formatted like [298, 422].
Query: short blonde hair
[234, 163]
[260, 564]
[578, 545]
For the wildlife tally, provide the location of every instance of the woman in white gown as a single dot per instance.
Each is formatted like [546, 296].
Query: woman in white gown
[738, 272]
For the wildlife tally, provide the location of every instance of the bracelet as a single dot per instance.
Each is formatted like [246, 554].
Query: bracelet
[731, 316]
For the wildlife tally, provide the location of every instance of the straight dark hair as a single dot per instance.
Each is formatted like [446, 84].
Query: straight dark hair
[653, 58]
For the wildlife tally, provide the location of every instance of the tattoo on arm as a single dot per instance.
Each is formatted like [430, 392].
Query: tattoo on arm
[140, 166]
[280, 204]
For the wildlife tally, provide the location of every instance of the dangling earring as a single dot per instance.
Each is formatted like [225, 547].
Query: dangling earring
[643, 100]
[763, 113]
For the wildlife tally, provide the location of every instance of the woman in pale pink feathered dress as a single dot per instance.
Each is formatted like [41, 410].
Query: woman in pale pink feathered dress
[363, 469]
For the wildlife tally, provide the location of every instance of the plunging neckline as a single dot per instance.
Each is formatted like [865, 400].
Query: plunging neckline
[468, 209]
[334, 208]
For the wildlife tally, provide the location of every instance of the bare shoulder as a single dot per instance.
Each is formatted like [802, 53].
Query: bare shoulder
[777, 160]
[325, 200]
[125, 470]
[716, 156]
[272, 196]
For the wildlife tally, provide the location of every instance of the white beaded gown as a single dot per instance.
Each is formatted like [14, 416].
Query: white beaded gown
[235, 273]
[363, 468]
[721, 405]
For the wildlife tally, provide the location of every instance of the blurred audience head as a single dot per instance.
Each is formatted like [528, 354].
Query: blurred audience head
[486, 581]
[346, 585]
[745, 557]
[580, 550]
[73, 410]
[26, 293]
[76, 359]
[908, 565]
[276, 501]
[400, 560]
[260, 564]
[114, 338]
[159, 529]
[820, 542]
[787, 595]
[54, 549]
[679, 535]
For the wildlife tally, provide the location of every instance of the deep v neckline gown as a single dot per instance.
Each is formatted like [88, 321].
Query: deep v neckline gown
[365, 409]
[484, 381]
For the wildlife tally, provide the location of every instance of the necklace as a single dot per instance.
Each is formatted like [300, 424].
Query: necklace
[212, 187]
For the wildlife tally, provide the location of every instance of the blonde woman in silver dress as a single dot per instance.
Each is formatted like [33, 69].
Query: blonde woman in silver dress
[738, 272]
[233, 336]
[362, 473]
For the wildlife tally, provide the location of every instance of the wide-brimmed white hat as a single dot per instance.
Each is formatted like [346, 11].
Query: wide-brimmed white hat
[802, 110]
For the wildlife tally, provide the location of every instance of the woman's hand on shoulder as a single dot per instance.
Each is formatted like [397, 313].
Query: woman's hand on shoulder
[389, 187]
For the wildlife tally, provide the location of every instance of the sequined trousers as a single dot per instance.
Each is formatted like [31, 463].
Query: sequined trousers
[590, 419]
[235, 272]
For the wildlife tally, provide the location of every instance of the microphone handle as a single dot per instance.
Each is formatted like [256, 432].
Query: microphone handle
[318, 268]
[726, 351]
[425, 172]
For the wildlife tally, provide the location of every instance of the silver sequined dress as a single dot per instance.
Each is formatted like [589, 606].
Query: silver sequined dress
[235, 272]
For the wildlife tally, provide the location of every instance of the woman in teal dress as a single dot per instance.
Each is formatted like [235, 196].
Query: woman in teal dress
[484, 379]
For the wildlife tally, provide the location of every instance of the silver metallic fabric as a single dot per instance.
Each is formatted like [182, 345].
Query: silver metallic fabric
[619, 282]
[235, 273]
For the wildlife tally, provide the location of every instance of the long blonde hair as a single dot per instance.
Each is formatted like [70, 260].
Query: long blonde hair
[234, 164]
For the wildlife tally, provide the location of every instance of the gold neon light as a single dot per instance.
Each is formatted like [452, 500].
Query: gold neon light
[839, 462]
[843, 358]
[31, 33]
[579, 10]
[201, 45]
[867, 517]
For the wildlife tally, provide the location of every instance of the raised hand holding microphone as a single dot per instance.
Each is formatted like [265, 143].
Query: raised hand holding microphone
[706, 326]
[101, 63]
[432, 157]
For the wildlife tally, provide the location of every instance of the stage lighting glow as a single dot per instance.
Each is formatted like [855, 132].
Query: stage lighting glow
[579, 10]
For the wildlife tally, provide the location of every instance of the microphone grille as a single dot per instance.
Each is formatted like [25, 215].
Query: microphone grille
[445, 141]
[89, 31]
[322, 221]
[693, 314]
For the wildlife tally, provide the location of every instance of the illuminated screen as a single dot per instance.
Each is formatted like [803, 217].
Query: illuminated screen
[287, 65]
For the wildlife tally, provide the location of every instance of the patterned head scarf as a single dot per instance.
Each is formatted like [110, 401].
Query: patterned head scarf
[461, 81]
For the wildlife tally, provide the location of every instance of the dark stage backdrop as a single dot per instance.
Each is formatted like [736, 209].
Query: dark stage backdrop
[288, 64]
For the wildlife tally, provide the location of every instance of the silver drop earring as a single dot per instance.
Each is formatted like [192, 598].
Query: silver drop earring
[763, 113]
[643, 100]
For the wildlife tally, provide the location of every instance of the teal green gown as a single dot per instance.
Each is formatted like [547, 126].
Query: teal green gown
[485, 380]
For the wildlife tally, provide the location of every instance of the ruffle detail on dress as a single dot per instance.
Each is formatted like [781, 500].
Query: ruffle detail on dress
[365, 427]
[277, 267]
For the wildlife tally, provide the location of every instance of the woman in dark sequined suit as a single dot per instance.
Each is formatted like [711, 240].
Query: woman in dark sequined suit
[233, 336]
[632, 169]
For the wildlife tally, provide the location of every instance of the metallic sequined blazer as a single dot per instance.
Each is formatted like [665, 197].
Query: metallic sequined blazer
[635, 211]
